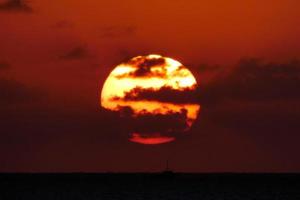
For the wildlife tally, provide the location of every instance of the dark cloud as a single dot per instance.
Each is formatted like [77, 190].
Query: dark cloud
[116, 32]
[76, 53]
[16, 6]
[4, 66]
[257, 100]
[63, 24]
[13, 92]
[164, 94]
[254, 80]
[127, 53]
[143, 68]
[145, 62]
[150, 62]
[149, 123]
[208, 68]
[142, 71]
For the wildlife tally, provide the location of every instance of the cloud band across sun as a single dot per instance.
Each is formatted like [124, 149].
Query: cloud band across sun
[153, 86]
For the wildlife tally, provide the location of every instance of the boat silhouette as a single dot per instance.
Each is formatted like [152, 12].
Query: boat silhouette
[167, 172]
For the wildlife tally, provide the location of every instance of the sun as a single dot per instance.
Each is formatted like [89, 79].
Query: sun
[156, 94]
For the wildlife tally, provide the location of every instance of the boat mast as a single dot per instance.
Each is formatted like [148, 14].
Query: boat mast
[167, 165]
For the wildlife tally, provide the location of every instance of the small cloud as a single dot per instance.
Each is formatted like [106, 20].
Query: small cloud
[115, 32]
[124, 55]
[143, 68]
[16, 6]
[63, 24]
[208, 68]
[164, 94]
[4, 66]
[76, 53]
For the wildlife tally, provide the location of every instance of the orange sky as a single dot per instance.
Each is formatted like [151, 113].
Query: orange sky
[195, 32]
[65, 49]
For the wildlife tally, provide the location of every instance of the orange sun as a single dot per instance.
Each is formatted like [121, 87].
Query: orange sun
[155, 94]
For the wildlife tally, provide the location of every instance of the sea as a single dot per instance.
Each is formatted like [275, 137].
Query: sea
[156, 186]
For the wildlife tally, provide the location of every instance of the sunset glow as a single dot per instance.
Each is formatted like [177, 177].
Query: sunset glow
[153, 140]
[148, 85]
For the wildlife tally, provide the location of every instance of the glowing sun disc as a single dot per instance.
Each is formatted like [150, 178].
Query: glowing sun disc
[156, 94]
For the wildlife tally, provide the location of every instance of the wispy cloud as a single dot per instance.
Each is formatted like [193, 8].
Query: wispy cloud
[76, 53]
[4, 66]
[115, 31]
[63, 24]
[164, 94]
[254, 80]
[16, 6]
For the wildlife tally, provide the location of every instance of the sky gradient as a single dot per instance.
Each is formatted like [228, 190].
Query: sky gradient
[56, 55]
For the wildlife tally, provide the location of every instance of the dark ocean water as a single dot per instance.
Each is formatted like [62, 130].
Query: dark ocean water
[150, 186]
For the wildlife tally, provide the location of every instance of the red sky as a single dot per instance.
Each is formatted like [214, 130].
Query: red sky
[55, 55]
